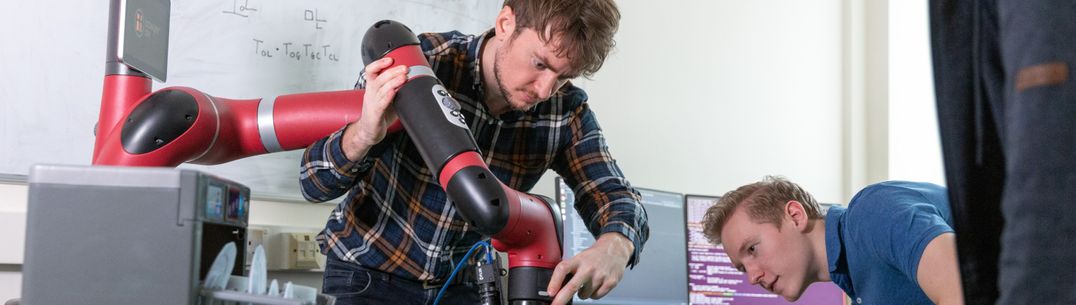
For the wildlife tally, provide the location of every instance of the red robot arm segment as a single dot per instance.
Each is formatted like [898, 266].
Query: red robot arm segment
[179, 124]
[121, 92]
[467, 174]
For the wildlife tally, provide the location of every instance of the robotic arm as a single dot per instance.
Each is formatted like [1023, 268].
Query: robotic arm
[519, 223]
[179, 124]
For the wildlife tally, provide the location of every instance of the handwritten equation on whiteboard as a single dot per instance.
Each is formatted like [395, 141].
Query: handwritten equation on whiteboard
[290, 50]
[295, 51]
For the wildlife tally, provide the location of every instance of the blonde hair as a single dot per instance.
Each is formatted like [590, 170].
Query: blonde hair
[765, 203]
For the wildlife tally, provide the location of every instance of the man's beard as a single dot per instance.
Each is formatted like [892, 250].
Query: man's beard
[500, 84]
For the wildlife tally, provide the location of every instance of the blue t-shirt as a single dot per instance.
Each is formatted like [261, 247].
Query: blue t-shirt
[874, 245]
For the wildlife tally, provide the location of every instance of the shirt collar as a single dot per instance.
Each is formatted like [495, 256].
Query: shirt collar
[475, 55]
[834, 244]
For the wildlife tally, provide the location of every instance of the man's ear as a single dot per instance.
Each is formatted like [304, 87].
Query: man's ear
[796, 214]
[505, 25]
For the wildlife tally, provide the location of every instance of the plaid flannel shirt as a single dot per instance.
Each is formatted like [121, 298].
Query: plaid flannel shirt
[397, 219]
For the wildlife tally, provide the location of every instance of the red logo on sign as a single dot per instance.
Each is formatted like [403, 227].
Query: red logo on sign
[138, 21]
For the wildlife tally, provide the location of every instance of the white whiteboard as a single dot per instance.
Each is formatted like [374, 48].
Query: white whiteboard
[52, 63]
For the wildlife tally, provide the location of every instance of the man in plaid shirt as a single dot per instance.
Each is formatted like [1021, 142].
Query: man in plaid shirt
[396, 236]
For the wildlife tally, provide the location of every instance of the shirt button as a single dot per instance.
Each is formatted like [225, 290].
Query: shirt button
[859, 300]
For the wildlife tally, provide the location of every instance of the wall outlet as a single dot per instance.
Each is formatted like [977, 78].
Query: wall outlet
[295, 251]
[302, 250]
[286, 248]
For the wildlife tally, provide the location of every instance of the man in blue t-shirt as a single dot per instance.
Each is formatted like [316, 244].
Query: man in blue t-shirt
[893, 244]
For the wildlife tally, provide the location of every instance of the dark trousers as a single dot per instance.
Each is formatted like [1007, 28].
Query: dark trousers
[1003, 72]
[354, 284]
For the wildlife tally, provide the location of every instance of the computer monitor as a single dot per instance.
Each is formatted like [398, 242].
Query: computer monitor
[660, 278]
[712, 279]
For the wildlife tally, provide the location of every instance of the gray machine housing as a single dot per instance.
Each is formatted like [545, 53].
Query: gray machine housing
[127, 235]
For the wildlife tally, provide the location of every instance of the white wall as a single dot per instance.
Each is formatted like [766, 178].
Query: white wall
[703, 96]
[914, 146]
[835, 95]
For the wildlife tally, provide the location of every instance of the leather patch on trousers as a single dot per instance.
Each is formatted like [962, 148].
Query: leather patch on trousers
[1048, 74]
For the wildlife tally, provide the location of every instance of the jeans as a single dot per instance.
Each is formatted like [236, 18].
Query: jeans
[351, 284]
[1007, 112]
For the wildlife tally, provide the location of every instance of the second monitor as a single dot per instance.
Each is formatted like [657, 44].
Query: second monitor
[660, 278]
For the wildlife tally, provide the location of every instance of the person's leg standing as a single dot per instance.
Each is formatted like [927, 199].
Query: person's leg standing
[967, 81]
[1038, 43]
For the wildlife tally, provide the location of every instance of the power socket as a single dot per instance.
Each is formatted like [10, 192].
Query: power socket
[302, 251]
[286, 248]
